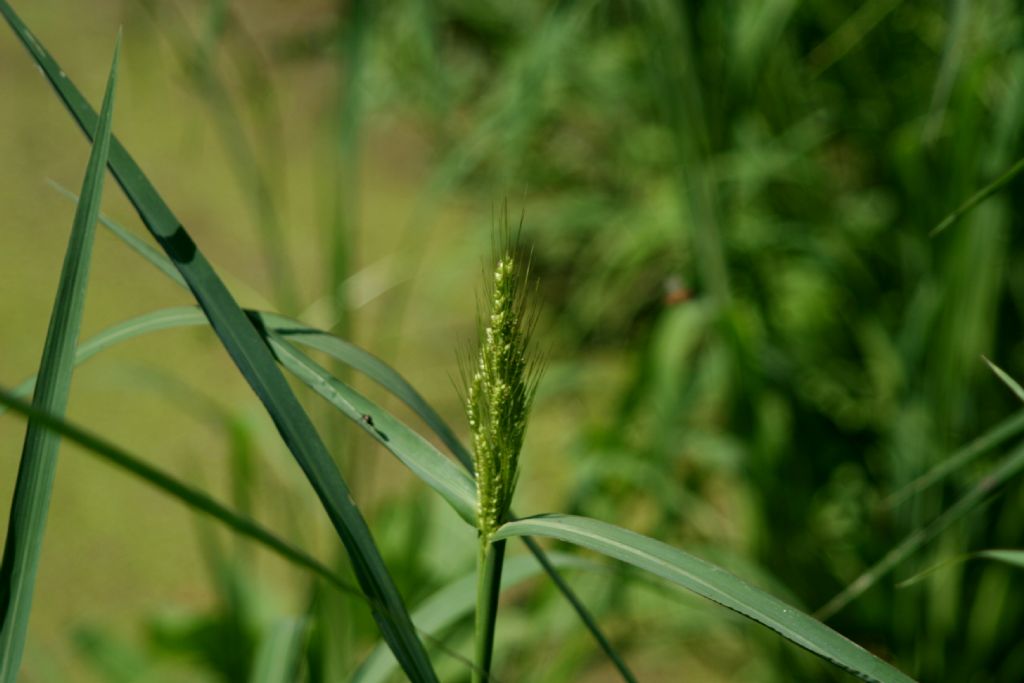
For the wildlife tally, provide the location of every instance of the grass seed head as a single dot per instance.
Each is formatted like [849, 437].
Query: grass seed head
[500, 382]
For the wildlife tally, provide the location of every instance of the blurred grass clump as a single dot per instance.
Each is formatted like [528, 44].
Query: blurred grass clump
[754, 345]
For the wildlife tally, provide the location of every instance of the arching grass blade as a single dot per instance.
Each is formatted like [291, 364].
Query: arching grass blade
[711, 582]
[426, 462]
[1013, 558]
[436, 470]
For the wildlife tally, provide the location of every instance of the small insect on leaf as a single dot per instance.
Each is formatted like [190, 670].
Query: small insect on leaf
[368, 421]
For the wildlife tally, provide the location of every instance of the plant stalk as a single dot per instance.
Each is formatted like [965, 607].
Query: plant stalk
[488, 588]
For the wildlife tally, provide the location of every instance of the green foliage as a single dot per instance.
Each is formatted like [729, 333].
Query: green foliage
[757, 352]
[256, 363]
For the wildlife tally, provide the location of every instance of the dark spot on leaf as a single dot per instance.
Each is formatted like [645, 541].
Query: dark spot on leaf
[179, 246]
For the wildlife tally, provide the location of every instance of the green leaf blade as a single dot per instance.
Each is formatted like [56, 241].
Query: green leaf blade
[711, 582]
[37, 469]
[1010, 382]
[415, 452]
[254, 360]
[978, 197]
[188, 495]
[1013, 558]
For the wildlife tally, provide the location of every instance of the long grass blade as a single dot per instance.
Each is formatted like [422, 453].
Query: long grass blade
[38, 466]
[426, 462]
[1009, 467]
[1014, 558]
[1010, 382]
[978, 197]
[1001, 433]
[254, 360]
[190, 496]
[163, 319]
[711, 582]
[162, 263]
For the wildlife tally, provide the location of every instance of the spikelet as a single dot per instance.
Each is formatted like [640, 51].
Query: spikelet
[500, 383]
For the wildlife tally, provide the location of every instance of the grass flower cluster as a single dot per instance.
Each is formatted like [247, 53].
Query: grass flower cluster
[500, 387]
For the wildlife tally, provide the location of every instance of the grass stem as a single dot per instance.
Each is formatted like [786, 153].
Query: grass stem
[488, 588]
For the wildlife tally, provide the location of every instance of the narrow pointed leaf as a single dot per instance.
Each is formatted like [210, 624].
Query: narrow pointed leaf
[1006, 379]
[31, 502]
[162, 263]
[711, 582]
[979, 196]
[426, 462]
[996, 436]
[190, 496]
[257, 365]
[1014, 558]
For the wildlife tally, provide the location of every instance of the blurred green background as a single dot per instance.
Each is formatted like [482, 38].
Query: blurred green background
[751, 338]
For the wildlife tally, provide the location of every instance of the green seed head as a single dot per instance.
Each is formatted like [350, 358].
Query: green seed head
[500, 384]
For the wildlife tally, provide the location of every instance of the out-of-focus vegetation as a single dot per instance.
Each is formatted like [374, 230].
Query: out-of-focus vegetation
[754, 346]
